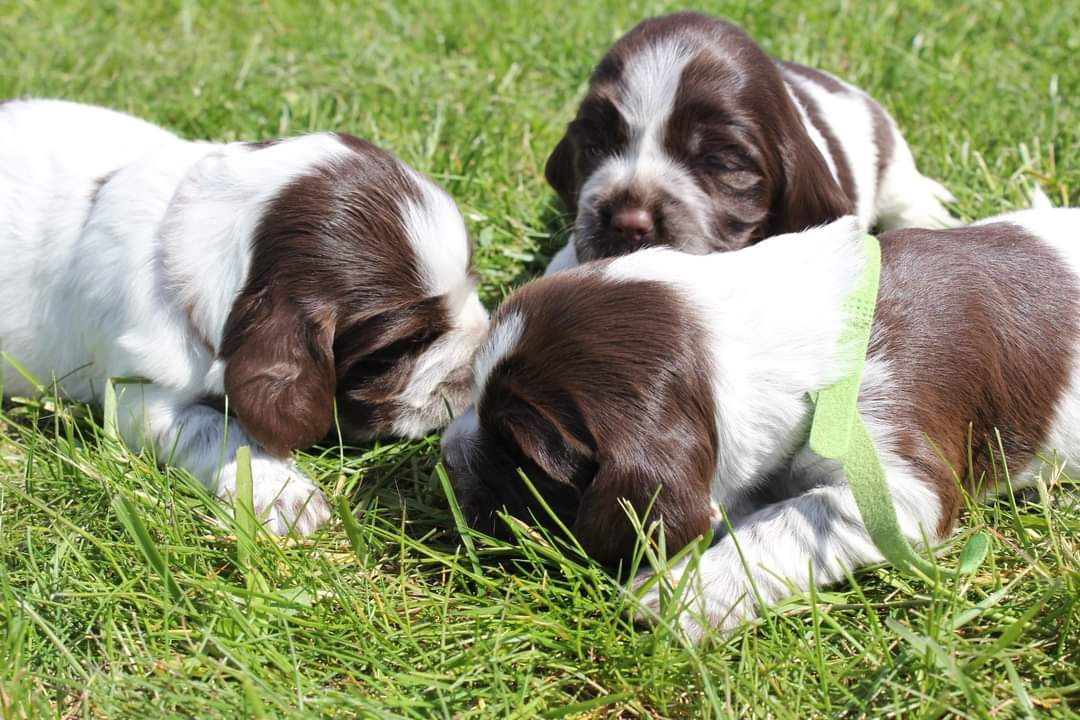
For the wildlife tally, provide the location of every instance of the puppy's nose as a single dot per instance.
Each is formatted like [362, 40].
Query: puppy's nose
[633, 223]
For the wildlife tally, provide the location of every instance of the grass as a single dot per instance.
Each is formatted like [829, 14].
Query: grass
[126, 591]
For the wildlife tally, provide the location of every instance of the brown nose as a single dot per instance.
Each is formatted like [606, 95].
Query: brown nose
[633, 223]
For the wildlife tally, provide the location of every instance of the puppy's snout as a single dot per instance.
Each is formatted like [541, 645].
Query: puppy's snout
[635, 224]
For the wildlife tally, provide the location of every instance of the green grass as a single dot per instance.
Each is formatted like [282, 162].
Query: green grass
[126, 591]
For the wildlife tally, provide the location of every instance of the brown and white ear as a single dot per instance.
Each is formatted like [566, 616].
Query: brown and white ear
[811, 196]
[561, 173]
[279, 372]
[682, 502]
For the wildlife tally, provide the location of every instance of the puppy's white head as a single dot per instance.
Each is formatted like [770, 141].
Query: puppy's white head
[687, 137]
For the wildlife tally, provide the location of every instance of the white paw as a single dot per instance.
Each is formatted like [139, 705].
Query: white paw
[704, 601]
[285, 499]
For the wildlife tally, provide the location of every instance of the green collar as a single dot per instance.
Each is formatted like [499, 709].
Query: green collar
[838, 432]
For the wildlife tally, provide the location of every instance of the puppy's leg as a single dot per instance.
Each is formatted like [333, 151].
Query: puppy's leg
[907, 198]
[772, 550]
[204, 441]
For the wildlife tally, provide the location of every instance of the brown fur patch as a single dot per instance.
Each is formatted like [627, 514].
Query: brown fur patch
[979, 327]
[884, 140]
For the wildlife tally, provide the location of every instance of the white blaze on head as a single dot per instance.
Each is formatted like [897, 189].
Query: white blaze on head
[500, 343]
[437, 235]
[651, 82]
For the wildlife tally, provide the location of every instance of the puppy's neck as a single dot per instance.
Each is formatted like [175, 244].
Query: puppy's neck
[779, 317]
[774, 314]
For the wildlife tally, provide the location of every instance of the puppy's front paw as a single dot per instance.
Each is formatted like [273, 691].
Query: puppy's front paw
[702, 602]
[662, 593]
[285, 499]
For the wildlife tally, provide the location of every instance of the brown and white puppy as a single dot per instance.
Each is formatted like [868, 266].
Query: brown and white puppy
[300, 281]
[701, 401]
[691, 136]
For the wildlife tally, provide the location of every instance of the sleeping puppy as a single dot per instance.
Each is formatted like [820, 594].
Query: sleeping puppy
[691, 136]
[702, 402]
[294, 282]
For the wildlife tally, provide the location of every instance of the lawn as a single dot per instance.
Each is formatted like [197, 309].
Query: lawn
[124, 591]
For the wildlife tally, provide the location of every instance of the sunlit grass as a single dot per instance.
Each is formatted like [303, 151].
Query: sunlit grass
[394, 613]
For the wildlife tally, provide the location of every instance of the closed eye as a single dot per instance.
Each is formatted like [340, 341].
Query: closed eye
[717, 164]
[724, 162]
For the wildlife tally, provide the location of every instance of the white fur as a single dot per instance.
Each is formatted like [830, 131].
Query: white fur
[501, 341]
[1039, 199]
[450, 352]
[141, 281]
[652, 81]
[437, 234]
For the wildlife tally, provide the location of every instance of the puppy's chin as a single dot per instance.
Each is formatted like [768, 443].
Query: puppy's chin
[417, 422]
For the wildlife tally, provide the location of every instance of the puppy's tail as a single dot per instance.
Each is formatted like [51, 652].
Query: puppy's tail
[920, 204]
[1039, 199]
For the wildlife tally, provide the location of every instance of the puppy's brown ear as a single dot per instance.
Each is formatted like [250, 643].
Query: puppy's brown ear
[546, 432]
[810, 195]
[279, 372]
[561, 173]
[680, 485]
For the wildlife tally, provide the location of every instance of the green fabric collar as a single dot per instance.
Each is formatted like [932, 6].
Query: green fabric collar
[838, 432]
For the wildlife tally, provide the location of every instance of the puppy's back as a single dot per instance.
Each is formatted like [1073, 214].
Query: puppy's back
[48, 140]
[54, 158]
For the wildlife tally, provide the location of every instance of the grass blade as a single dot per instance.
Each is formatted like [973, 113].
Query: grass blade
[129, 518]
[464, 531]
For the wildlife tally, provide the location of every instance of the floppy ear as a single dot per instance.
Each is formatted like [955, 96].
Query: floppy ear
[682, 501]
[553, 438]
[583, 484]
[279, 372]
[561, 173]
[810, 195]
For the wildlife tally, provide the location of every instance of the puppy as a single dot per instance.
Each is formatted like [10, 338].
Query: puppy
[691, 136]
[294, 282]
[702, 402]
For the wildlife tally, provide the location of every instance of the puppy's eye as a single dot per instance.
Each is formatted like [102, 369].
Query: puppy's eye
[716, 164]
